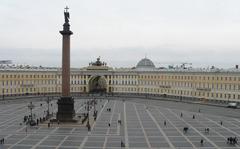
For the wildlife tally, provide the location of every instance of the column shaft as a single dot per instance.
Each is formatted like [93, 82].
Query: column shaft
[66, 66]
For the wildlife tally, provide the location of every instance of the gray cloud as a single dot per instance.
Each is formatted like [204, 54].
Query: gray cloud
[203, 32]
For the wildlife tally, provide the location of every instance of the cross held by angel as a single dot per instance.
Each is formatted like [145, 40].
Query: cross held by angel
[66, 15]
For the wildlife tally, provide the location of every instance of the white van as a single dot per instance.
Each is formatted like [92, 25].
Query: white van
[232, 105]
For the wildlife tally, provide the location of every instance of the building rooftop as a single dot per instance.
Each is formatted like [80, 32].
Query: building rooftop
[98, 65]
[144, 65]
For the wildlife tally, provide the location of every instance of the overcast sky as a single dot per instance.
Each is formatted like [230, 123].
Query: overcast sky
[202, 32]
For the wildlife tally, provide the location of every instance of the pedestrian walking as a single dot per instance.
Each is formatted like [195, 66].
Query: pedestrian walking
[230, 140]
[201, 141]
[119, 122]
[221, 122]
[89, 128]
[165, 123]
[185, 129]
[235, 140]
[181, 114]
[109, 124]
[207, 130]
[193, 116]
[122, 144]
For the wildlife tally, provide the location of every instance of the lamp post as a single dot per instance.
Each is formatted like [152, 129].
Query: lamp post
[56, 82]
[45, 91]
[3, 94]
[94, 102]
[229, 97]
[48, 101]
[181, 95]
[31, 107]
[88, 123]
[52, 108]
[88, 110]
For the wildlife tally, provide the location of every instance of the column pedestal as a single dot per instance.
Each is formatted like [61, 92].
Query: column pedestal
[66, 110]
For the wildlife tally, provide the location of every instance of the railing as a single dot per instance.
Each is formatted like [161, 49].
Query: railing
[121, 95]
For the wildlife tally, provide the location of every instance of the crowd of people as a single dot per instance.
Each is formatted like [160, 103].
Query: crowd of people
[232, 140]
[2, 141]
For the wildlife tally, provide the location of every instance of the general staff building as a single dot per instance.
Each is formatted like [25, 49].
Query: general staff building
[204, 84]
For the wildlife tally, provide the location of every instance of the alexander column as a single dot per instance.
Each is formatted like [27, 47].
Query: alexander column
[66, 110]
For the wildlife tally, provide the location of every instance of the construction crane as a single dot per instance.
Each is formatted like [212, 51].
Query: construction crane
[169, 64]
[5, 62]
[183, 65]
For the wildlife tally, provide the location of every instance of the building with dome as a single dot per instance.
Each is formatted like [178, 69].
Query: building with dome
[145, 64]
[144, 79]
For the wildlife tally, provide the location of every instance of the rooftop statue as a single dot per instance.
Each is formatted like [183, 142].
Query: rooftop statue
[66, 15]
[98, 63]
[66, 25]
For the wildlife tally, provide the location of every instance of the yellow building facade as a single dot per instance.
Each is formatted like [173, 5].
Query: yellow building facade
[211, 84]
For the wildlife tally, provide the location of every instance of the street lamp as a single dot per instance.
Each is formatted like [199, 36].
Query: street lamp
[31, 107]
[181, 95]
[95, 112]
[3, 94]
[88, 110]
[56, 82]
[48, 101]
[45, 91]
[88, 124]
[229, 97]
[94, 103]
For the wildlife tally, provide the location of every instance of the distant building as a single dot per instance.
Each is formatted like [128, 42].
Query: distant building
[145, 78]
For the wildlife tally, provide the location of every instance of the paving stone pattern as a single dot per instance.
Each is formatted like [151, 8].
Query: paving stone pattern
[142, 126]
